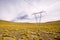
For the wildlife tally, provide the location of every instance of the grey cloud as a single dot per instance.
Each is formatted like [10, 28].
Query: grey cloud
[9, 9]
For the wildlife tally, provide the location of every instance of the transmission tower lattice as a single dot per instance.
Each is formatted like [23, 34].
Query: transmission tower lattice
[39, 16]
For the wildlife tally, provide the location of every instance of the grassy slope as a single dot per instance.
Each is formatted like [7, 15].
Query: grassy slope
[47, 31]
[49, 26]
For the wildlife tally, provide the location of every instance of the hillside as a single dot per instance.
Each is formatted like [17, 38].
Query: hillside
[28, 25]
[43, 31]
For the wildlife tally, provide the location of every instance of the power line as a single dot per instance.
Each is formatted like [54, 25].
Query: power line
[31, 4]
[35, 13]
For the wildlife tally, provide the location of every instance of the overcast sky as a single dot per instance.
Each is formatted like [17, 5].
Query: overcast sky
[22, 10]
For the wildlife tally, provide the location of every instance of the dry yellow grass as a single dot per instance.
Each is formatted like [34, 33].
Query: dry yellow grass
[32, 31]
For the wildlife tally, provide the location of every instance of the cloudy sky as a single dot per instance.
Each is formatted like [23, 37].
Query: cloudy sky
[23, 10]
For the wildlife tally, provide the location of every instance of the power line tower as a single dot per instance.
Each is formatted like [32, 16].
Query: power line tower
[38, 16]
